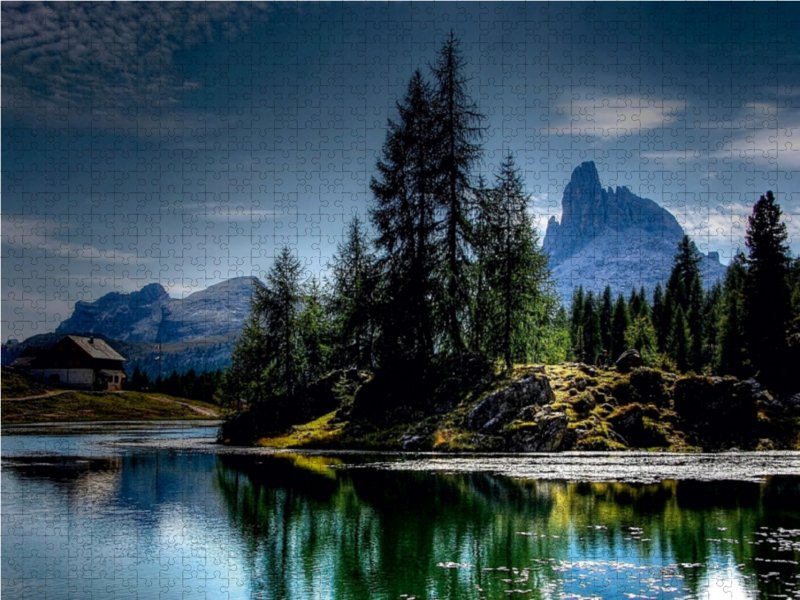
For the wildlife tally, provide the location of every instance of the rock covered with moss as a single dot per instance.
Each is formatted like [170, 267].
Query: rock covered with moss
[503, 406]
[563, 407]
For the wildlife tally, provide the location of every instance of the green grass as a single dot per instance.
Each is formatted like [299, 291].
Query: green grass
[315, 434]
[102, 406]
[17, 385]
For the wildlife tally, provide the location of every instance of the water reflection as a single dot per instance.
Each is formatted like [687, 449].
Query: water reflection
[370, 533]
[164, 524]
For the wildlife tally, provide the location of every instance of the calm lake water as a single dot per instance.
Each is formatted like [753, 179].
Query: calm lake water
[155, 512]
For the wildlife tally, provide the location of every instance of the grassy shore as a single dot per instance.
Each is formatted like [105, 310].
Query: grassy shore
[44, 404]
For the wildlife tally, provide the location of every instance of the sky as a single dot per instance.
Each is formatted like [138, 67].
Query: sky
[187, 143]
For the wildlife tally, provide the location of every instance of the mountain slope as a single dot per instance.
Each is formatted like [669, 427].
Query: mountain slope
[150, 315]
[613, 237]
[157, 333]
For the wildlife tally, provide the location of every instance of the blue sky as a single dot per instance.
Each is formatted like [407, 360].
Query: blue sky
[185, 143]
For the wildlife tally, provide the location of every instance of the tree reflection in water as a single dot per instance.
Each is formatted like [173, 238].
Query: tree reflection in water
[315, 531]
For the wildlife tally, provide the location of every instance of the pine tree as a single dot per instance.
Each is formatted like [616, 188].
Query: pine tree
[353, 294]
[731, 357]
[679, 341]
[641, 336]
[634, 304]
[576, 322]
[767, 295]
[404, 219]
[315, 334]
[480, 326]
[458, 134]
[644, 305]
[711, 316]
[618, 328]
[515, 270]
[279, 305]
[662, 330]
[685, 291]
[591, 329]
[606, 318]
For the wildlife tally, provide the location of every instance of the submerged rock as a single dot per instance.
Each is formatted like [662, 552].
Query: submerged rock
[503, 406]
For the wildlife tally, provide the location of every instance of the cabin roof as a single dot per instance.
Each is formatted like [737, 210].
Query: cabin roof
[96, 348]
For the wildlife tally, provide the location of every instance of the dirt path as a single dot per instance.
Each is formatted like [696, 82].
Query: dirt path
[206, 412]
[37, 397]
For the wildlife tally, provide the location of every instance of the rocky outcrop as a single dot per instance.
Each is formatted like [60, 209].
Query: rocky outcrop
[716, 407]
[638, 427]
[628, 360]
[502, 407]
[612, 236]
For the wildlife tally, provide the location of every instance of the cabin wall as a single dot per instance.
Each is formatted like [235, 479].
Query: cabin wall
[79, 378]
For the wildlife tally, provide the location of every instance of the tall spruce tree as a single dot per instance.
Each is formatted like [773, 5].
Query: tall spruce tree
[405, 223]
[606, 318]
[731, 357]
[279, 305]
[458, 136]
[679, 340]
[661, 328]
[315, 333]
[354, 286]
[685, 291]
[576, 322]
[619, 326]
[518, 305]
[711, 315]
[767, 295]
[591, 328]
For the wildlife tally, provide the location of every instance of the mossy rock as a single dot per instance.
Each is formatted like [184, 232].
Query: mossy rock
[598, 443]
[649, 386]
[583, 403]
[638, 430]
[624, 392]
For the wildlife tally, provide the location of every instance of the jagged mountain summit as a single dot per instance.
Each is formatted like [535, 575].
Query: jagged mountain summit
[150, 315]
[612, 236]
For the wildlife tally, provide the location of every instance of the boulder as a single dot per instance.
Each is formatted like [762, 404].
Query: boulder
[630, 423]
[502, 407]
[628, 360]
[717, 408]
[649, 386]
[550, 435]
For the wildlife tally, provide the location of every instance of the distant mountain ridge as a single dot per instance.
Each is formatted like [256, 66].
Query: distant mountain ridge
[157, 333]
[613, 237]
[150, 315]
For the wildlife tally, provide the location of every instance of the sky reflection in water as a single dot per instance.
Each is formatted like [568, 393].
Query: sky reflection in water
[82, 519]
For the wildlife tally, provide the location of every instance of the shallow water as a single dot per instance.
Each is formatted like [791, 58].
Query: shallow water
[159, 512]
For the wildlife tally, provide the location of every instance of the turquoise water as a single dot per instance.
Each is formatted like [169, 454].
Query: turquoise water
[98, 514]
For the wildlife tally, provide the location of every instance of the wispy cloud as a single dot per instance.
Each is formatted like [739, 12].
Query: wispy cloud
[109, 61]
[614, 116]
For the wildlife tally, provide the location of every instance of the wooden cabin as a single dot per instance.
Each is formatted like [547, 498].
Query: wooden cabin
[75, 361]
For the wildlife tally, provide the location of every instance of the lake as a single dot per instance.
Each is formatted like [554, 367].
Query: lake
[157, 511]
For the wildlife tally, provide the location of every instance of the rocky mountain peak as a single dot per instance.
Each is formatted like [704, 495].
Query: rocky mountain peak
[612, 236]
[588, 211]
[150, 315]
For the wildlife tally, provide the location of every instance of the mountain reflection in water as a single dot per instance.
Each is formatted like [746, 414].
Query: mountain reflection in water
[169, 524]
